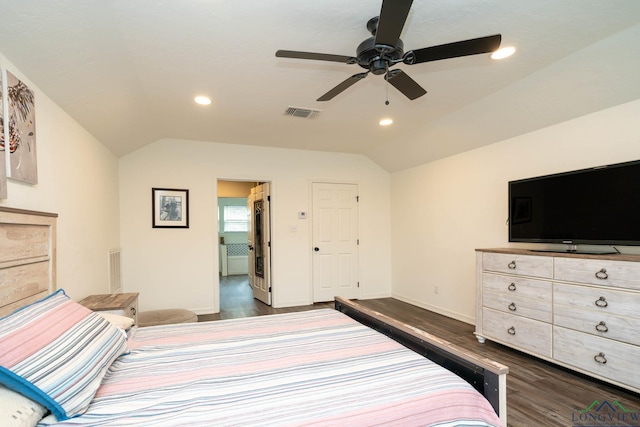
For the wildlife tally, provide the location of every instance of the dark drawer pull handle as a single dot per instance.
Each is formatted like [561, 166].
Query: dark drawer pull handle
[601, 302]
[600, 358]
[133, 311]
[512, 265]
[602, 274]
[602, 327]
[512, 287]
[512, 306]
[511, 331]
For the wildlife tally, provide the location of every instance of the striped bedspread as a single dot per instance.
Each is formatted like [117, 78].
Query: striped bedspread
[313, 368]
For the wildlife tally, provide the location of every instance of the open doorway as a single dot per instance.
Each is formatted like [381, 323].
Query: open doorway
[244, 247]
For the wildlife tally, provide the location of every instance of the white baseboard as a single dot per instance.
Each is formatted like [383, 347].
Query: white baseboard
[287, 304]
[439, 310]
[375, 296]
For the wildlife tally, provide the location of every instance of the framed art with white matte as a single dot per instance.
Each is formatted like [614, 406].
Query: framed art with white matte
[170, 208]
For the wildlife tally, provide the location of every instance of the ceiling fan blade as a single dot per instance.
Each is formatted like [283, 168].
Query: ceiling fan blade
[316, 56]
[392, 18]
[453, 50]
[405, 84]
[342, 86]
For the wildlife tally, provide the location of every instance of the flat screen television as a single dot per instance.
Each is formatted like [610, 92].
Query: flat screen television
[596, 206]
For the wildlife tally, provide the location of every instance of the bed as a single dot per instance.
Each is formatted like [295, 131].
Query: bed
[318, 367]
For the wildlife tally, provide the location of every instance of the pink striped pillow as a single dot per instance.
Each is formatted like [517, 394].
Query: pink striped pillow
[55, 352]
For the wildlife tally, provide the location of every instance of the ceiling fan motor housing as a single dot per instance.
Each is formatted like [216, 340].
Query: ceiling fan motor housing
[378, 59]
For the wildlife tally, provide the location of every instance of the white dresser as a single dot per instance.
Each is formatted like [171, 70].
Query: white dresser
[579, 311]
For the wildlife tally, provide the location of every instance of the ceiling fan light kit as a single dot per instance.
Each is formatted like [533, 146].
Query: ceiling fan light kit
[384, 49]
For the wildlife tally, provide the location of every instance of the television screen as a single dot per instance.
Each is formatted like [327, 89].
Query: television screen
[591, 206]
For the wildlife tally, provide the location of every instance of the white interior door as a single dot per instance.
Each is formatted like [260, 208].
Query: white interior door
[335, 241]
[259, 241]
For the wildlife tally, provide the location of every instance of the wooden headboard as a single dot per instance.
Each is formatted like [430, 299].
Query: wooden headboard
[27, 257]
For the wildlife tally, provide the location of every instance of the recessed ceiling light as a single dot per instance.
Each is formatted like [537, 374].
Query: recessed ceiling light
[504, 52]
[385, 122]
[203, 100]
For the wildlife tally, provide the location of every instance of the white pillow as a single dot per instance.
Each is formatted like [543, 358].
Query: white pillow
[18, 411]
[121, 322]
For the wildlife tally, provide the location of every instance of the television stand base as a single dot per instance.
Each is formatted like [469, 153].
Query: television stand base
[577, 251]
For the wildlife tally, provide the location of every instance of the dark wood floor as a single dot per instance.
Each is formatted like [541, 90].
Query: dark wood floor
[236, 300]
[539, 394]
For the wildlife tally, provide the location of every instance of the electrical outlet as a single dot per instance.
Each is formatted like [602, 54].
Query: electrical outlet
[436, 290]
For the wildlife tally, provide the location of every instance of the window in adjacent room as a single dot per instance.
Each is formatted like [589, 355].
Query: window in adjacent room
[236, 218]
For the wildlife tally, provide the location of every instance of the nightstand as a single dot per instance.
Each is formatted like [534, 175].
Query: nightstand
[121, 304]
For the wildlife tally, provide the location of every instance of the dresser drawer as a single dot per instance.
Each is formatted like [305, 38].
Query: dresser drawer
[609, 359]
[526, 334]
[521, 265]
[132, 311]
[625, 329]
[514, 285]
[597, 300]
[519, 305]
[619, 274]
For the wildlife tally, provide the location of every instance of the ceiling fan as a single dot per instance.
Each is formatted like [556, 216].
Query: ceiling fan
[379, 53]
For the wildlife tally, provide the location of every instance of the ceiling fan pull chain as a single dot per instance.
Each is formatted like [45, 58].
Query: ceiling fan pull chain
[386, 77]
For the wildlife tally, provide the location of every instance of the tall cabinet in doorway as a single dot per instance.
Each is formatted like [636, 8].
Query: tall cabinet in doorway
[259, 241]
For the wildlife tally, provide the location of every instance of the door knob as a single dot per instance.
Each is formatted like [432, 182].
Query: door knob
[316, 249]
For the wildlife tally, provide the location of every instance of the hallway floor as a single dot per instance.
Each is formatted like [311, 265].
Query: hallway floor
[236, 300]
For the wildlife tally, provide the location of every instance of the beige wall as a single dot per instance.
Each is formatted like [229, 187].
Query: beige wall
[78, 180]
[179, 267]
[235, 188]
[442, 211]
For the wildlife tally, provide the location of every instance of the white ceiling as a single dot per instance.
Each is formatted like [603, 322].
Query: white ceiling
[128, 70]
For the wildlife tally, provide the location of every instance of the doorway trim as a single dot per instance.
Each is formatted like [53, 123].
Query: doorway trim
[216, 240]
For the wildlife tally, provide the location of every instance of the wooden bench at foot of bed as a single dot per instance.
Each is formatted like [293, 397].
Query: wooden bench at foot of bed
[485, 375]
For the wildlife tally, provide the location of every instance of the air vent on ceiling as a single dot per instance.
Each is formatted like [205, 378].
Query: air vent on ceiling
[305, 113]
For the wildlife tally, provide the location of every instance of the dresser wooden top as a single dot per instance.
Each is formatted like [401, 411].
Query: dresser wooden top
[109, 301]
[549, 253]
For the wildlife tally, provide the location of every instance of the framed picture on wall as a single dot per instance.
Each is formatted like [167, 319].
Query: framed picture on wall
[19, 138]
[3, 179]
[170, 208]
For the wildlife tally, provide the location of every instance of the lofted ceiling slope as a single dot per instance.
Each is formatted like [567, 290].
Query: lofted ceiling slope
[128, 71]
